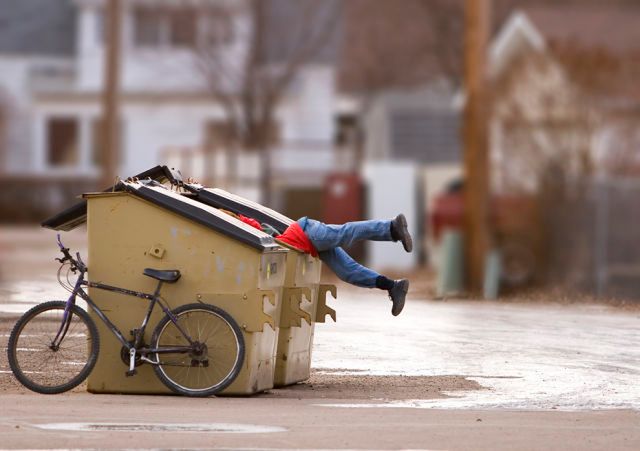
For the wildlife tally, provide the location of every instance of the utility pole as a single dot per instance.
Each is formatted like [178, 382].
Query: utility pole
[3, 131]
[476, 141]
[111, 96]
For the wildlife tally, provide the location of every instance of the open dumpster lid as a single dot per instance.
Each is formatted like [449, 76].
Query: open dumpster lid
[205, 215]
[220, 198]
[76, 215]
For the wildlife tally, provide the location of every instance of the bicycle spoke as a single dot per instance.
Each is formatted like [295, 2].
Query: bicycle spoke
[207, 367]
[44, 369]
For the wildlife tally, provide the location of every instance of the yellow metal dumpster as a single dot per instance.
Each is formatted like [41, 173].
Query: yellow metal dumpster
[303, 297]
[223, 262]
[303, 304]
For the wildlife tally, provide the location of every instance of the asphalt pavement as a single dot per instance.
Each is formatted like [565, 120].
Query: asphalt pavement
[442, 375]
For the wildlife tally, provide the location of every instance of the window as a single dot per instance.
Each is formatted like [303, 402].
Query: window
[155, 27]
[426, 136]
[182, 28]
[149, 25]
[62, 142]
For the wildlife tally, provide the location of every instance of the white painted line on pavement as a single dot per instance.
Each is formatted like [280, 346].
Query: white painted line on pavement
[221, 428]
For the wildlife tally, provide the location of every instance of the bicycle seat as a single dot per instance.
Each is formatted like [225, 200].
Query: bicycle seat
[169, 275]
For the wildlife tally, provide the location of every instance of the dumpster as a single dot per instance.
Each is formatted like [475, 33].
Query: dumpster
[224, 262]
[289, 300]
[303, 297]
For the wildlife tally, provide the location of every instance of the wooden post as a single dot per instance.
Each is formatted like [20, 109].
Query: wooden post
[476, 165]
[3, 131]
[111, 104]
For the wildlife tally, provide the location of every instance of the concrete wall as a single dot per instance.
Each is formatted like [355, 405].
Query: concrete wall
[392, 189]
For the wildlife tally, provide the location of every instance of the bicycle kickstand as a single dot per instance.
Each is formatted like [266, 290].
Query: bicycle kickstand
[132, 363]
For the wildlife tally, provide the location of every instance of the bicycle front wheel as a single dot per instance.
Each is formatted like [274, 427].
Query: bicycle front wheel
[212, 364]
[40, 364]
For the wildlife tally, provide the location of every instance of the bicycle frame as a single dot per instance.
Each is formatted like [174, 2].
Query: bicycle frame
[138, 334]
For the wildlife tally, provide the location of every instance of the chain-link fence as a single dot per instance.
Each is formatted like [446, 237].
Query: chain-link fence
[594, 239]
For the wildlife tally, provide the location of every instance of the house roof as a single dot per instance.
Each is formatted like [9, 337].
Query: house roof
[611, 27]
[598, 45]
[37, 27]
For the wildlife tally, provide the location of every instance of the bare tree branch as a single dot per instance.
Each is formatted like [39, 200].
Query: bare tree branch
[250, 90]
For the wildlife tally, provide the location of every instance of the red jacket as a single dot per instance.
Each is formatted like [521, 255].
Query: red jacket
[294, 236]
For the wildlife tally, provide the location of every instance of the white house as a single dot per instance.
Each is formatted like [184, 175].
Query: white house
[564, 89]
[53, 96]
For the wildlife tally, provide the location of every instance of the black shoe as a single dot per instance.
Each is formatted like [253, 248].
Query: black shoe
[400, 232]
[397, 295]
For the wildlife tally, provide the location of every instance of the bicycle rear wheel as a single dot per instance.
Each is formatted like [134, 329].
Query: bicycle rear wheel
[45, 368]
[209, 369]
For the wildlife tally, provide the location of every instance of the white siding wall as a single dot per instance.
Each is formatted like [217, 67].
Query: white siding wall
[150, 130]
[15, 99]
[143, 69]
[308, 112]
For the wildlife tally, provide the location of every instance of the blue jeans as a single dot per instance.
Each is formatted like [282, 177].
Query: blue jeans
[328, 240]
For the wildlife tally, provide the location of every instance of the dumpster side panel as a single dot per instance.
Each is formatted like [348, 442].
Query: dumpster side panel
[126, 235]
[295, 344]
[299, 309]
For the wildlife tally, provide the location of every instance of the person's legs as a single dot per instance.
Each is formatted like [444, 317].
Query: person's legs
[347, 269]
[328, 236]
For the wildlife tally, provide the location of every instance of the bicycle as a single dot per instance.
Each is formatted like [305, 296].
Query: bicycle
[196, 349]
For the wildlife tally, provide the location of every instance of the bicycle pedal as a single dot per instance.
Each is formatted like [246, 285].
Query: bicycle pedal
[131, 373]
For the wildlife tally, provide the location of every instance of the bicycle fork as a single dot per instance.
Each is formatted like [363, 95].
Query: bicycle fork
[66, 318]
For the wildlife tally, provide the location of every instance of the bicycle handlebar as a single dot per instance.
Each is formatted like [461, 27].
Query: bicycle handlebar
[76, 264]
